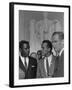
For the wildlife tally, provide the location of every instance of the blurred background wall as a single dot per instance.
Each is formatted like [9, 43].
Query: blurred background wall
[36, 26]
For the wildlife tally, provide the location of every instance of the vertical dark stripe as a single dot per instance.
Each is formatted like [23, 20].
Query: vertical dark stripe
[69, 44]
[11, 45]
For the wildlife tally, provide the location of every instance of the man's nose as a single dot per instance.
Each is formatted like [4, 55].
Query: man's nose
[53, 44]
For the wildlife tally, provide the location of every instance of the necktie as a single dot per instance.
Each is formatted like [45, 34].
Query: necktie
[47, 66]
[25, 64]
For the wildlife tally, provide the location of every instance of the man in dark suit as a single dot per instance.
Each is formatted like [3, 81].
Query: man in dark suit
[58, 44]
[27, 64]
[47, 63]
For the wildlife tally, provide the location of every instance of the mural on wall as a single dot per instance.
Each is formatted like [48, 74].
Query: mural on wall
[36, 26]
[42, 30]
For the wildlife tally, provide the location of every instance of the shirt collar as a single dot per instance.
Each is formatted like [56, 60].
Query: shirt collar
[49, 57]
[61, 51]
[22, 59]
[21, 56]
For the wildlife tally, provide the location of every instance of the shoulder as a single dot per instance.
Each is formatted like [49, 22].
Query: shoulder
[62, 57]
[54, 57]
[32, 59]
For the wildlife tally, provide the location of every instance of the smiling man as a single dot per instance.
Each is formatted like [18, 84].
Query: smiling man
[46, 65]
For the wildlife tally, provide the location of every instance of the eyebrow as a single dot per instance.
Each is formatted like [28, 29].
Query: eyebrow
[26, 48]
[55, 41]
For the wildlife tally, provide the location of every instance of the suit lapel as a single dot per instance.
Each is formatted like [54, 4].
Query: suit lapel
[51, 68]
[29, 63]
[62, 56]
[21, 65]
[43, 71]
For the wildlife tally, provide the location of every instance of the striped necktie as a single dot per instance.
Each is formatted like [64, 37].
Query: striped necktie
[25, 64]
[47, 66]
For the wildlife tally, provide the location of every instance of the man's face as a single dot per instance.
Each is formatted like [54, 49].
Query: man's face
[45, 49]
[56, 42]
[25, 50]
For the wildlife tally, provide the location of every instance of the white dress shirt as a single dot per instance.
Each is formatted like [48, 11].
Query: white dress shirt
[61, 51]
[23, 61]
[49, 62]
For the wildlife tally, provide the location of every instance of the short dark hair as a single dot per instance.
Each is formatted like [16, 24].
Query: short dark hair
[23, 42]
[39, 51]
[60, 34]
[49, 44]
[33, 53]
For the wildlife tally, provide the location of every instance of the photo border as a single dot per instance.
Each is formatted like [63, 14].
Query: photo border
[11, 42]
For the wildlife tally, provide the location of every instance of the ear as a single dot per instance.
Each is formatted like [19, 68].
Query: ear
[62, 42]
[20, 49]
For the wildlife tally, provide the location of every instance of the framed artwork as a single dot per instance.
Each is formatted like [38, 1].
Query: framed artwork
[34, 24]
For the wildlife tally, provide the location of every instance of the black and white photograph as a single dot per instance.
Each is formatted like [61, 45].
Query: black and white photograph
[39, 46]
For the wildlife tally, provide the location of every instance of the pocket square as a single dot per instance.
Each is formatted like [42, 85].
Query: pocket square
[32, 66]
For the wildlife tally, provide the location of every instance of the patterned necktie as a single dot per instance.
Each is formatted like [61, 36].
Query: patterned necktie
[25, 64]
[47, 66]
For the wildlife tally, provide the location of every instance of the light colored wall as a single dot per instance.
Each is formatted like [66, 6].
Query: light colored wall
[26, 16]
[32, 21]
[23, 29]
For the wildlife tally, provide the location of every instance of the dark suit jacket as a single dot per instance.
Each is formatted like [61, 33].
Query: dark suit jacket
[41, 73]
[59, 66]
[31, 71]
